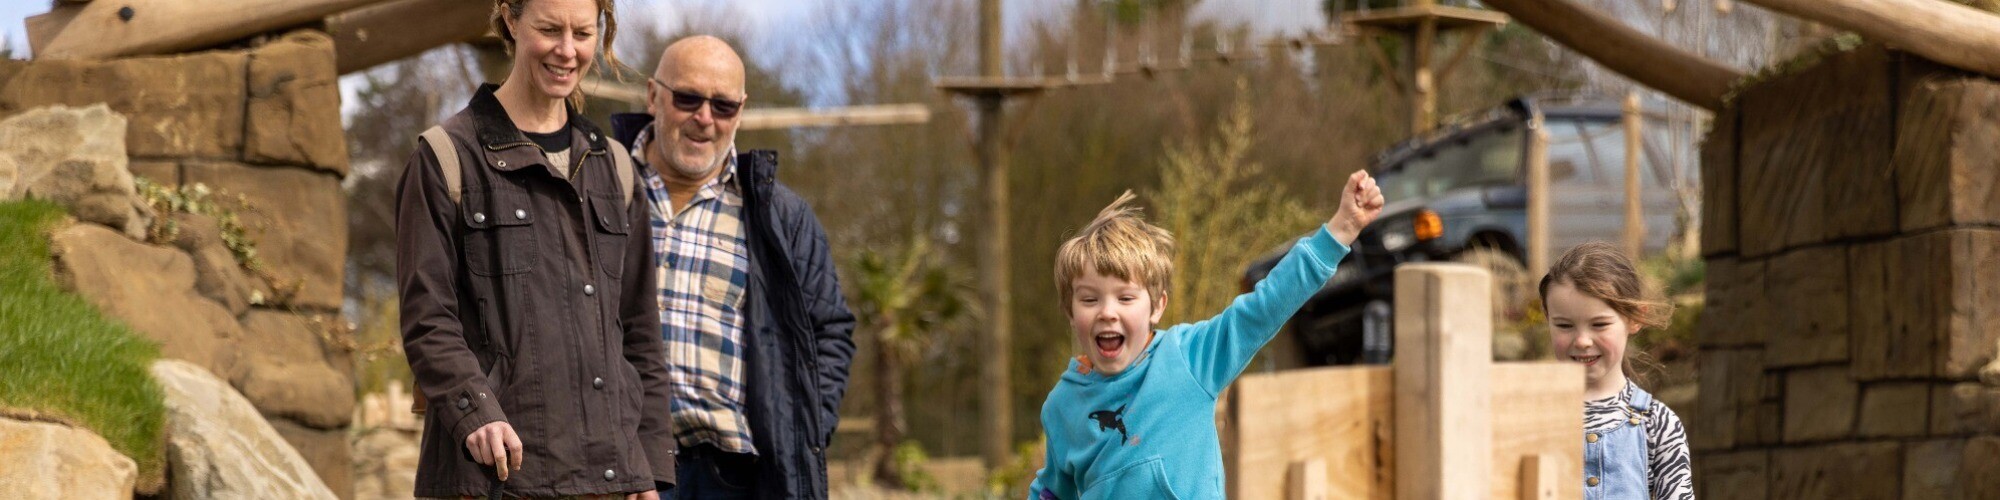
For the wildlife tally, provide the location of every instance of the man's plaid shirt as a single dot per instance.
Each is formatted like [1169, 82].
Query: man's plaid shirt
[704, 267]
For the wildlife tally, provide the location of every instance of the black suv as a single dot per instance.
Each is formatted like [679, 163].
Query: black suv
[1459, 193]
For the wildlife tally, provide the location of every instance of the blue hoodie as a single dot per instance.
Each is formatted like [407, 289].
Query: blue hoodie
[1149, 432]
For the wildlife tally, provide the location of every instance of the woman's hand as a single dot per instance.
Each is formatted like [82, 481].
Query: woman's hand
[496, 444]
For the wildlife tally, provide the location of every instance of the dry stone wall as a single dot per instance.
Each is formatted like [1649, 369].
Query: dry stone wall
[1852, 235]
[261, 123]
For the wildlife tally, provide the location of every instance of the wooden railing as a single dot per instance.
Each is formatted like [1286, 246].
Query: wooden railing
[1442, 422]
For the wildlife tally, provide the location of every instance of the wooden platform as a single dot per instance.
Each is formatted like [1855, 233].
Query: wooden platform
[1409, 18]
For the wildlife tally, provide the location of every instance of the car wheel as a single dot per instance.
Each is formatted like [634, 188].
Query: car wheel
[1377, 334]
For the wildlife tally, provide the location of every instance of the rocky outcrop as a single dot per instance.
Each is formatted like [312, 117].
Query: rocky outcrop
[74, 157]
[259, 124]
[220, 447]
[151, 289]
[54, 461]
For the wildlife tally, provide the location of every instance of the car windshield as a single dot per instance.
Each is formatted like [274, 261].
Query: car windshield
[1484, 158]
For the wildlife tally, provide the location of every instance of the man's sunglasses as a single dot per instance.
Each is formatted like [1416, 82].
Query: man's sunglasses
[691, 102]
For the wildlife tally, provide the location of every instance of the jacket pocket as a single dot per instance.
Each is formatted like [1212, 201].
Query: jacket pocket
[500, 234]
[1146, 479]
[613, 227]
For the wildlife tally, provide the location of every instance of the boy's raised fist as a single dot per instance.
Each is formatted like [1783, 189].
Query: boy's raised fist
[1360, 203]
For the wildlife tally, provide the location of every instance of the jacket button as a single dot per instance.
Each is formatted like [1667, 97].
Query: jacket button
[502, 163]
[609, 475]
[1592, 437]
[597, 383]
[593, 136]
[520, 214]
[589, 290]
[464, 402]
[479, 217]
[1593, 480]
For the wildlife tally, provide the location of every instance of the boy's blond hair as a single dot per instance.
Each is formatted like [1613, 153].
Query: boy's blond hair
[1119, 244]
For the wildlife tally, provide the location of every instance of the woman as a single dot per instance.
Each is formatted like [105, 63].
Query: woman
[528, 312]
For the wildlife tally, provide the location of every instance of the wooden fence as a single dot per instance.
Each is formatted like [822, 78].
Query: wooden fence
[1442, 422]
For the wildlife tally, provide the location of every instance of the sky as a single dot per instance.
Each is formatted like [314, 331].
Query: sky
[769, 20]
[771, 16]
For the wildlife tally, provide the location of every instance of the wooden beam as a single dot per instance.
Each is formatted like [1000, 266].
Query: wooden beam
[369, 36]
[888, 114]
[1647, 60]
[101, 30]
[630, 93]
[1443, 374]
[1410, 18]
[1946, 32]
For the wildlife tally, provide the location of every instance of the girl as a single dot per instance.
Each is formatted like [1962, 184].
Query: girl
[1633, 445]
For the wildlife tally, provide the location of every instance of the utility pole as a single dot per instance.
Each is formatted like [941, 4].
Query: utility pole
[989, 93]
[998, 398]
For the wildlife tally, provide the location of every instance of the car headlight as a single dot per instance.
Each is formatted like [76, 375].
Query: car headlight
[1396, 241]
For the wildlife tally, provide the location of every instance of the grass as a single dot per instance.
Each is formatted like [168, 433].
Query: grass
[61, 358]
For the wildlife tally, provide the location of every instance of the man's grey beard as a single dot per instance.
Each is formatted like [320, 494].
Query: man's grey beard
[713, 166]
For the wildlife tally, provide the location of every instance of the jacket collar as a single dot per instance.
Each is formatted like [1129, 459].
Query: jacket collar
[507, 149]
[755, 168]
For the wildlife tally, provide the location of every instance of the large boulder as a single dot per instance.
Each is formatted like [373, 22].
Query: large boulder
[151, 289]
[219, 447]
[328, 452]
[288, 373]
[180, 106]
[74, 157]
[294, 107]
[54, 461]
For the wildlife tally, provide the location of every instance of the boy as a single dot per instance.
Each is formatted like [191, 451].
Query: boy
[1134, 416]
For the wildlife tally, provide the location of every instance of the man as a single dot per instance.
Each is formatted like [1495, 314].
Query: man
[758, 337]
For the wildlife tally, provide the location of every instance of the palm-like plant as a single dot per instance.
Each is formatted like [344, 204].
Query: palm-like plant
[902, 297]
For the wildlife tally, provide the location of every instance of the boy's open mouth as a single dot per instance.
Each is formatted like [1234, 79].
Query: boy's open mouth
[1109, 344]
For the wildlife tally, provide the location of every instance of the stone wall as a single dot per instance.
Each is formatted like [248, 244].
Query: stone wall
[1852, 235]
[262, 123]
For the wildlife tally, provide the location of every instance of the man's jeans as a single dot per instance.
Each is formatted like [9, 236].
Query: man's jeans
[708, 473]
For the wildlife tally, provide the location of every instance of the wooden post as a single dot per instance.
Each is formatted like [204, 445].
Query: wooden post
[1423, 90]
[1306, 480]
[1540, 476]
[1635, 221]
[1538, 197]
[996, 399]
[1443, 365]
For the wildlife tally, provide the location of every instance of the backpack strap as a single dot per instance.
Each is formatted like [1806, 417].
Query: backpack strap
[454, 183]
[621, 162]
[447, 156]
